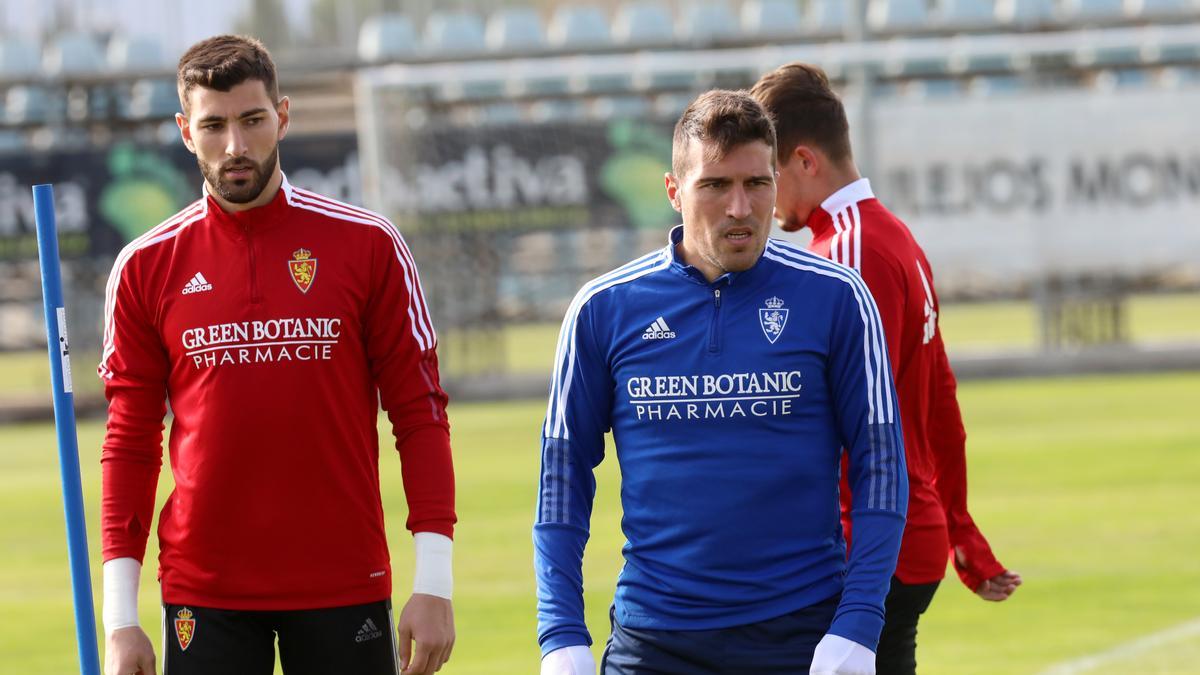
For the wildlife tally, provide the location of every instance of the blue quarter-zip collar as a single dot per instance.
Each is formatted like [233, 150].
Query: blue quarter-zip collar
[696, 276]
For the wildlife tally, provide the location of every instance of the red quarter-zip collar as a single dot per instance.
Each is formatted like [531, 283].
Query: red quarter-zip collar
[255, 219]
[821, 219]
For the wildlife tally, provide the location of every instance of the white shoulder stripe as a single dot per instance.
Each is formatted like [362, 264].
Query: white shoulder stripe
[408, 263]
[879, 344]
[874, 347]
[168, 229]
[412, 278]
[564, 362]
[881, 489]
[422, 326]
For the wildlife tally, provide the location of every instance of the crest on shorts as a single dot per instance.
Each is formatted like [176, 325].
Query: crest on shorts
[773, 318]
[185, 627]
[303, 268]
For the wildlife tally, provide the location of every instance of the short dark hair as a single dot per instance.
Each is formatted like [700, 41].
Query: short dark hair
[222, 63]
[724, 118]
[805, 110]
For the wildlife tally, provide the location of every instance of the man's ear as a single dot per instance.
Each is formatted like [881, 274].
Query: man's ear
[283, 109]
[673, 191]
[185, 131]
[809, 158]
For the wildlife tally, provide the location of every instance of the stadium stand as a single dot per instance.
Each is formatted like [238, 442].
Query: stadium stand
[514, 30]
[134, 53]
[770, 19]
[707, 22]
[640, 24]
[73, 53]
[891, 17]
[826, 18]
[385, 37]
[574, 27]
[18, 58]
[454, 34]
[968, 15]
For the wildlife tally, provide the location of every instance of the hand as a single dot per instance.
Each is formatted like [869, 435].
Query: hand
[573, 660]
[428, 621]
[835, 655]
[127, 651]
[999, 587]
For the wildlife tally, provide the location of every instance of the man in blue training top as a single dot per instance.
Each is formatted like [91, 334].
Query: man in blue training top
[732, 371]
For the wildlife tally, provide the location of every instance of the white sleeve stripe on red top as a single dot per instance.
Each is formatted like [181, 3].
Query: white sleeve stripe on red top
[421, 326]
[168, 229]
[406, 259]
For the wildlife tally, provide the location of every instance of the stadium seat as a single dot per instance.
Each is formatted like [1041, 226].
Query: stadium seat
[384, 37]
[153, 98]
[1162, 9]
[28, 104]
[135, 53]
[771, 19]
[557, 110]
[671, 105]
[826, 17]
[515, 29]
[610, 107]
[578, 27]
[502, 113]
[18, 57]
[897, 16]
[1088, 11]
[73, 53]
[1025, 14]
[985, 86]
[940, 88]
[1180, 76]
[968, 14]
[707, 22]
[11, 141]
[643, 23]
[454, 34]
[1121, 78]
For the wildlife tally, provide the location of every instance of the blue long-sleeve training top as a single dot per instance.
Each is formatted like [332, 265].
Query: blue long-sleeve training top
[730, 403]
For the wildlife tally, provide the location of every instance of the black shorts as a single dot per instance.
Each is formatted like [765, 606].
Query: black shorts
[781, 645]
[897, 653]
[353, 640]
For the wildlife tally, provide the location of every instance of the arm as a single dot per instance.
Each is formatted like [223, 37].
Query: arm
[577, 416]
[401, 350]
[134, 369]
[869, 423]
[973, 557]
[888, 285]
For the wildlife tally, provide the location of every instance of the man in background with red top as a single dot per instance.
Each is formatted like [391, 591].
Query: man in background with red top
[274, 320]
[820, 187]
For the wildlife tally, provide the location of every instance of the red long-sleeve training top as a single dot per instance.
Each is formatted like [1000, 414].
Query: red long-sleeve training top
[852, 227]
[274, 334]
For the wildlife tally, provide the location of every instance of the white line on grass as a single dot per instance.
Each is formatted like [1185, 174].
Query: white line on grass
[1126, 650]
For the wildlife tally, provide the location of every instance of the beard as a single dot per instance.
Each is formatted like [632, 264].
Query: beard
[243, 190]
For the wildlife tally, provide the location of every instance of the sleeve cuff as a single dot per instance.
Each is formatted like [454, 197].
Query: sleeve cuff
[434, 570]
[567, 638]
[121, 578]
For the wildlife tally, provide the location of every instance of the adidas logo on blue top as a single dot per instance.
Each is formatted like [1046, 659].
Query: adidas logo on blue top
[659, 330]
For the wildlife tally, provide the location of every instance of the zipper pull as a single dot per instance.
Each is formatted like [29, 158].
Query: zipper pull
[717, 296]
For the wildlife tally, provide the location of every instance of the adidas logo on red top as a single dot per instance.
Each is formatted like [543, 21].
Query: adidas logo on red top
[197, 284]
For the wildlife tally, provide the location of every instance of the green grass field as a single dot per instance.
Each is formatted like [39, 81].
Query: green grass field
[1087, 486]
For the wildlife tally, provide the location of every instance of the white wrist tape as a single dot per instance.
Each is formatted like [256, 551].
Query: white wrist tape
[121, 577]
[434, 573]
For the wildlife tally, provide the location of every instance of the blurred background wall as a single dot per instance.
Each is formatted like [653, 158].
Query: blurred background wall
[1045, 152]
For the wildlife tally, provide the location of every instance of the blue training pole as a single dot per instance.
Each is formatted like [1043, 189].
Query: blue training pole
[64, 421]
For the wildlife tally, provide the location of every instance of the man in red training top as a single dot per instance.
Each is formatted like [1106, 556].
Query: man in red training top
[274, 321]
[820, 187]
